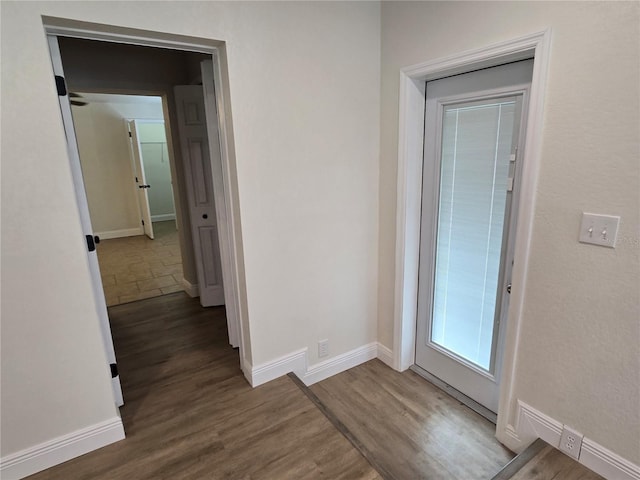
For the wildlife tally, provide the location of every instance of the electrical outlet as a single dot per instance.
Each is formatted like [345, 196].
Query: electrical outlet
[323, 348]
[571, 442]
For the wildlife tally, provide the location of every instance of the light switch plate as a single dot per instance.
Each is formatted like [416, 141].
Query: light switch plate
[599, 229]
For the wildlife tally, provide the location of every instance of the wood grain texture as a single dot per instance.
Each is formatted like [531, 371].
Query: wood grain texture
[335, 421]
[190, 414]
[413, 429]
[551, 464]
[511, 468]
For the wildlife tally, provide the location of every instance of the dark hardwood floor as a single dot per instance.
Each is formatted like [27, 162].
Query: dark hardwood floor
[190, 414]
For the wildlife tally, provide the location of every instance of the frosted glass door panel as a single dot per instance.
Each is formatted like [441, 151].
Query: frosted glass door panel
[474, 176]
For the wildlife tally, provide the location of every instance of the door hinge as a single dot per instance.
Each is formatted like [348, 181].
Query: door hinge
[91, 244]
[142, 222]
[130, 135]
[114, 370]
[61, 86]
[509, 184]
[92, 241]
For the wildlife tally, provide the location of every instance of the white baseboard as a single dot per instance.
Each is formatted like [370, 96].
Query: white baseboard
[340, 363]
[297, 362]
[293, 362]
[127, 232]
[385, 355]
[163, 217]
[532, 424]
[190, 288]
[45, 455]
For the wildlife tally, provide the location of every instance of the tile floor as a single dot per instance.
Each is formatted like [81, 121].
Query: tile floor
[134, 268]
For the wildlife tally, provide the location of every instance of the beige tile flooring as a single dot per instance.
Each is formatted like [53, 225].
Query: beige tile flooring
[134, 268]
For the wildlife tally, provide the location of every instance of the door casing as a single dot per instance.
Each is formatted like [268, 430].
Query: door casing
[409, 194]
[234, 298]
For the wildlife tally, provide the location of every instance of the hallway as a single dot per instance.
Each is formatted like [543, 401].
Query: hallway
[189, 413]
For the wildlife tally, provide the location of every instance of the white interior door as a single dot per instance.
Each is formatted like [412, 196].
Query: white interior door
[85, 219]
[140, 178]
[192, 128]
[473, 125]
[214, 113]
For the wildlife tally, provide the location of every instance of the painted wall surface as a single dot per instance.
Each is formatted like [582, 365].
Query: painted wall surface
[155, 158]
[304, 84]
[579, 355]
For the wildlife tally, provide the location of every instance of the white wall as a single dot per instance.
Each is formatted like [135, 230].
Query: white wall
[579, 355]
[304, 83]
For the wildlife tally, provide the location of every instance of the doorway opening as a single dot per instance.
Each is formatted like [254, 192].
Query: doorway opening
[409, 200]
[97, 62]
[474, 128]
[127, 177]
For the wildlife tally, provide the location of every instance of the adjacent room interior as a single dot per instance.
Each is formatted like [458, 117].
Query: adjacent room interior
[126, 170]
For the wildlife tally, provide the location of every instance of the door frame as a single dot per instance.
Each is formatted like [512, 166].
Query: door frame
[233, 277]
[409, 195]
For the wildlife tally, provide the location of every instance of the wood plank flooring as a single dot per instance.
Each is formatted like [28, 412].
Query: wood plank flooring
[190, 414]
[540, 461]
[413, 429]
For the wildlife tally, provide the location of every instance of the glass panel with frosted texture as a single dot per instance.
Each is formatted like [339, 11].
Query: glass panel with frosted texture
[476, 145]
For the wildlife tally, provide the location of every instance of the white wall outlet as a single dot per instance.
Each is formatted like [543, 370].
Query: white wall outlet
[599, 229]
[571, 442]
[323, 348]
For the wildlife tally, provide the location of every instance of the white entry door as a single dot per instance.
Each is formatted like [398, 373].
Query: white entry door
[473, 132]
[192, 127]
[140, 178]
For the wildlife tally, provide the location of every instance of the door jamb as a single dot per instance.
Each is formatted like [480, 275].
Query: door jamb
[409, 194]
[71, 28]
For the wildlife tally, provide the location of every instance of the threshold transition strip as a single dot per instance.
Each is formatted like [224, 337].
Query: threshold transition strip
[341, 427]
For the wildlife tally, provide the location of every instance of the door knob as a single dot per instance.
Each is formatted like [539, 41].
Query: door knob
[509, 288]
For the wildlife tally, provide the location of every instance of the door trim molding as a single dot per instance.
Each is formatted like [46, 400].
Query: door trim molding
[409, 192]
[55, 26]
